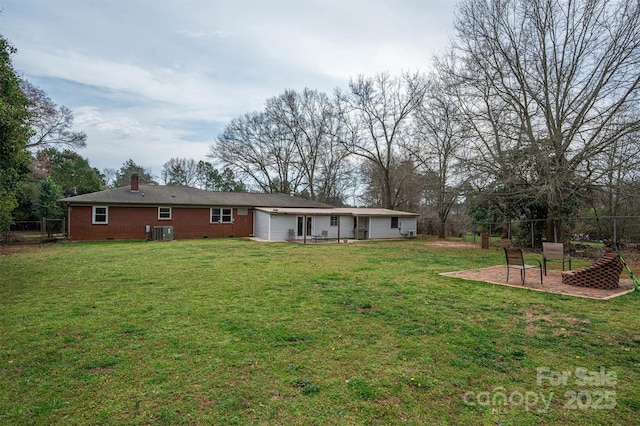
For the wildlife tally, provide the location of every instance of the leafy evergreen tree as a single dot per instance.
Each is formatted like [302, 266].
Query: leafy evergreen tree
[128, 168]
[70, 171]
[47, 207]
[48, 193]
[14, 134]
[210, 179]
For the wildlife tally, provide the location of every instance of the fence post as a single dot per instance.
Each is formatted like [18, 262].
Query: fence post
[484, 243]
[533, 242]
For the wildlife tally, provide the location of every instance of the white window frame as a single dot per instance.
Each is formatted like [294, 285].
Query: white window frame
[160, 217]
[334, 220]
[106, 215]
[222, 212]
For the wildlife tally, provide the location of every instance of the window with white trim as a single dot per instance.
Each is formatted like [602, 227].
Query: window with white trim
[333, 221]
[100, 215]
[164, 213]
[221, 215]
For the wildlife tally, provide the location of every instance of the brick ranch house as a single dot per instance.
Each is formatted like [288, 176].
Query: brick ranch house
[132, 213]
[138, 212]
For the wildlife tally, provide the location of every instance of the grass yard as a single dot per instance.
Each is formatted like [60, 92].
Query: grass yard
[238, 332]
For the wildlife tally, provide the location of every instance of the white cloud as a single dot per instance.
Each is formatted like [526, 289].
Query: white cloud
[204, 34]
[149, 80]
[114, 137]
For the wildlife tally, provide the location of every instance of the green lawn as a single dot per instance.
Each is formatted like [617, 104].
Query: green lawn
[238, 332]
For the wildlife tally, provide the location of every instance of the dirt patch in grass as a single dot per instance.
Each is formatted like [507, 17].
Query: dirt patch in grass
[560, 324]
[455, 244]
[204, 403]
[98, 370]
[365, 309]
[6, 249]
[392, 400]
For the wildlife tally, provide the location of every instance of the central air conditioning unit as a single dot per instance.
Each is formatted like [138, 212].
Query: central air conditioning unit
[163, 233]
[411, 234]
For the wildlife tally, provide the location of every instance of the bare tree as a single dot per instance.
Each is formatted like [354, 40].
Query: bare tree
[439, 141]
[547, 86]
[180, 172]
[312, 126]
[293, 146]
[376, 113]
[615, 193]
[109, 176]
[335, 175]
[407, 185]
[261, 151]
[51, 123]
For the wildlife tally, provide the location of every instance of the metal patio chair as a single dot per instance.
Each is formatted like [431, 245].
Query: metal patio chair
[554, 252]
[515, 259]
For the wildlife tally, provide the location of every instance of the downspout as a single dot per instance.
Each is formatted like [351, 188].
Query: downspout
[68, 221]
[253, 222]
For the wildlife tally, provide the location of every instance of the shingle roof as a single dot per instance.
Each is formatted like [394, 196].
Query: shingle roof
[186, 196]
[346, 211]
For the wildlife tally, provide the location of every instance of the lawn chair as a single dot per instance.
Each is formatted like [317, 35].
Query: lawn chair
[515, 259]
[554, 252]
[324, 236]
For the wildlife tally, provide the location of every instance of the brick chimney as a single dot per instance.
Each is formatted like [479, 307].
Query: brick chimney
[135, 182]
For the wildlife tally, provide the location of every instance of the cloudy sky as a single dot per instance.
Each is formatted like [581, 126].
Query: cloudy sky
[155, 79]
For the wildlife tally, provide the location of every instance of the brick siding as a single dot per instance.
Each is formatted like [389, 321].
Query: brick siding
[129, 223]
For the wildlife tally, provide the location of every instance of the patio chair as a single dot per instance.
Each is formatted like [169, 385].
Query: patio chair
[515, 259]
[324, 236]
[554, 252]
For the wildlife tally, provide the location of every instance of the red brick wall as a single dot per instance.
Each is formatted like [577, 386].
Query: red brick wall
[128, 223]
[603, 274]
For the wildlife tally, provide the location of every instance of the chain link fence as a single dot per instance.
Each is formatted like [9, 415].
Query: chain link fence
[623, 231]
[26, 232]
